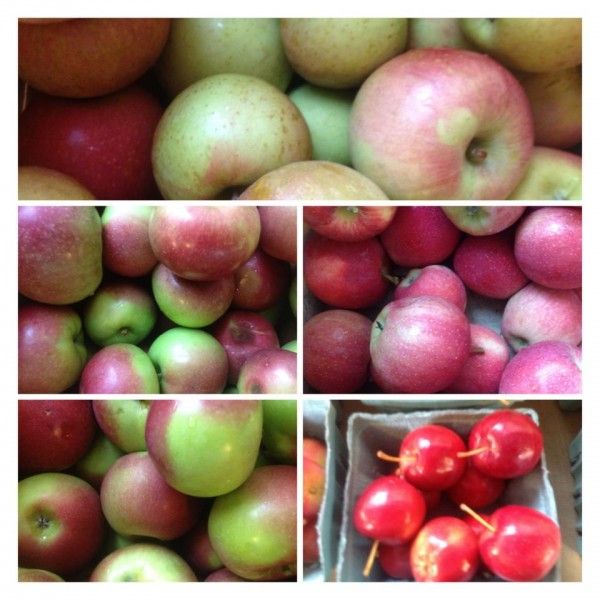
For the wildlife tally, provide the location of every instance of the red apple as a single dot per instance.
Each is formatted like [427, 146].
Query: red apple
[278, 232]
[269, 372]
[313, 488]
[348, 223]
[198, 551]
[475, 488]
[483, 220]
[310, 543]
[314, 450]
[394, 560]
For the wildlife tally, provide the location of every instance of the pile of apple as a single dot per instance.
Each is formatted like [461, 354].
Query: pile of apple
[513, 543]
[300, 109]
[162, 490]
[314, 455]
[526, 260]
[142, 300]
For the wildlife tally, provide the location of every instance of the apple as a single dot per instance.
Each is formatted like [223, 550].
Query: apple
[126, 248]
[319, 51]
[80, 58]
[38, 183]
[336, 351]
[51, 353]
[271, 371]
[143, 562]
[198, 551]
[313, 490]
[36, 575]
[548, 247]
[419, 345]
[419, 236]
[483, 220]
[104, 143]
[475, 488]
[437, 33]
[191, 303]
[60, 253]
[313, 180]
[310, 543]
[189, 361]
[455, 142]
[123, 422]
[204, 243]
[222, 132]
[349, 223]
[279, 430]
[291, 346]
[543, 368]
[100, 457]
[394, 560]
[278, 232]
[536, 45]
[61, 526]
[314, 450]
[119, 369]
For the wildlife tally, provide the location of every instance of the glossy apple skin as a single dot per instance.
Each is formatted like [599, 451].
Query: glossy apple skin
[60, 253]
[348, 223]
[190, 361]
[345, 274]
[53, 435]
[448, 149]
[204, 448]
[543, 368]
[81, 58]
[265, 503]
[278, 232]
[482, 371]
[488, 267]
[126, 248]
[37, 575]
[137, 501]
[433, 280]
[100, 457]
[123, 422]
[419, 345]
[548, 247]
[51, 349]
[390, 510]
[514, 444]
[198, 552]
[279, 430]
[483, 220]
[104, 143]
[38, 183]
[419, 236]
[143, 562]
[119, 369]
[475, 525]
[444, 550]
[394, 560]
[313, 477]
[61, 526]
[271, 371]
[524, 547]
[429, 457]
[539, 314]
[475, 488]
[204, 243]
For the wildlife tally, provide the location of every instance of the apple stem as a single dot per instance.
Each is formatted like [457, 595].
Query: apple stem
[397, 459]
[371, 558]
[477, 517]
[473, 452]
[477, 350]
[391, 278]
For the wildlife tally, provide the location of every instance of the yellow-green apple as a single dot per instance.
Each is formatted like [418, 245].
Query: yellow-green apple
[419, 345]
[483, 368]
[419, 236]
[191, 303]
[327, 114]
[61, 526]
[198, 552]
[143, 562]
[271, 371]
[535, 45]
[349, 223]
[487, 265]
[543, 368]
[279, 430]
[189, 361]
[468, 136]
[198, 48]
[483, 220]
[313, 490]
[437, 33]
[278, 231]
[341, 53]
[433, 280]
[60, 253]
[336, 351]
[313, 180]
[345, 274]
[224, 131]
[242, 333]
[204, 448]
[37, 575]
[123, 422]
[551, 175]
[224, 575]
[119, 312]
[53, 435]
[119, 369]
[204, 243]
[265, 503]
[52, 353]
[137, 501]
[126, 248]
[82, 58]
[538, 314]
[548, 247]
[555, 100]
[100, 457]
[39, 183]
[104, 143]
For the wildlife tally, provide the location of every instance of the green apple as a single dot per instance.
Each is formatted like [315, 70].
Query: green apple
[39, 183]
[98, 460]
[437, 33]
[291, 346]
[123, 422]
[279, 429]
[38, 575]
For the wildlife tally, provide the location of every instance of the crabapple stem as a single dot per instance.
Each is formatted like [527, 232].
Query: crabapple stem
[371, 558]
[477, 350]
[397, 459]
[473, 452]
[477, 517]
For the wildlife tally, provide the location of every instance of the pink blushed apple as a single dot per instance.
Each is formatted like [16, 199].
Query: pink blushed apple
[269, 372]
[123, 422]
[278, 232]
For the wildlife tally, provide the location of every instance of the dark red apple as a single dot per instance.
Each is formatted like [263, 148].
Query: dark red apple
[348, 223]
[278, 234]
[475, 488]
[394, 560]
[310, 543]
